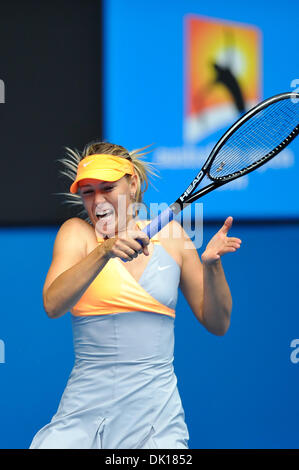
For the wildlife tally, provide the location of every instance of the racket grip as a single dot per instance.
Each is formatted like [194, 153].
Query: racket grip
[156, 225]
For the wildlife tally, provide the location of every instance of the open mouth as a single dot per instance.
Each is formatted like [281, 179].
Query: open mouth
[104, 214]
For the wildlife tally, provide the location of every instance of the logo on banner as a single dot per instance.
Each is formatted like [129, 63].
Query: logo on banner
[222, 74]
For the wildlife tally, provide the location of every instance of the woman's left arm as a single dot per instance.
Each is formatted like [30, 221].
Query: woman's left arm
[204, 284]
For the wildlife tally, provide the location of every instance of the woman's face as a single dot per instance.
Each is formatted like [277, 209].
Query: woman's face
[107, 203]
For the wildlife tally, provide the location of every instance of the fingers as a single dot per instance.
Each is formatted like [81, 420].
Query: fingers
[129, 245]
[138, 241]
[231, 246]
[221, 244]
[145, 251]
[227, 225]
[234, 242]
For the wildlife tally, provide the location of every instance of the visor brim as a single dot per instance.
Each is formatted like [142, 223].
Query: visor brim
[101, 175]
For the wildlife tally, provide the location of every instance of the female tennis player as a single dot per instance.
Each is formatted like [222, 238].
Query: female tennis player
[122, 392]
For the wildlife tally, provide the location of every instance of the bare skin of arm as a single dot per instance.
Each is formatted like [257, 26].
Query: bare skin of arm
[71, 271]
[204, 284]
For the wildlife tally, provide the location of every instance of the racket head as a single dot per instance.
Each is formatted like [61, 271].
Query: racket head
[255, 138]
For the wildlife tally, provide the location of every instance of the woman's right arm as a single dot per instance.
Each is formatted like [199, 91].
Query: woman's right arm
[71, 271]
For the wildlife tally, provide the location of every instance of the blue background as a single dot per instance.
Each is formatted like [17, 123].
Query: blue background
[144, 92]
[239, 390]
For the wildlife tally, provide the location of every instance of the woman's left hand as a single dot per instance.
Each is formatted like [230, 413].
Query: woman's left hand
[220, 244]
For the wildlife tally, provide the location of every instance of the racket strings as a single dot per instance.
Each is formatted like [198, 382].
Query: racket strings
[257, 139]
[265, 122]
[262, 133]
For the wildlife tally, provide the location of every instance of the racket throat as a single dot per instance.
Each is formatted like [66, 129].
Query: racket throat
[176, 207]
[185, 196]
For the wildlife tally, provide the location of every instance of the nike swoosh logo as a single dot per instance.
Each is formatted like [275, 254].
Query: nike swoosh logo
[161, 268]
[85, 164]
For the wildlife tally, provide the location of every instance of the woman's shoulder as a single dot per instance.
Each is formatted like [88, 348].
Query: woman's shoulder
[75, 223]
[74, 229]
[74, 235]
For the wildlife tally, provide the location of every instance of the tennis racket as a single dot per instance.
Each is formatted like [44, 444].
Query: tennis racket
[257, 137]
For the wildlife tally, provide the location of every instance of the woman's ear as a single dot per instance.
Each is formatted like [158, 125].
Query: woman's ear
[134, 184]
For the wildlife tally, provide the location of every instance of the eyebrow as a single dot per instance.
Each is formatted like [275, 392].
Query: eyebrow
[88, 185]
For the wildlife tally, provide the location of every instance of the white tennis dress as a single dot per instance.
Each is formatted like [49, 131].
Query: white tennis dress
[122, 392]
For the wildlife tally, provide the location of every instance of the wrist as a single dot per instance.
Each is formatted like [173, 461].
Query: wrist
[104, 249]
[209, 259]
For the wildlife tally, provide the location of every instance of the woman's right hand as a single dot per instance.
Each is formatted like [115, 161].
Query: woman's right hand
[126, 246]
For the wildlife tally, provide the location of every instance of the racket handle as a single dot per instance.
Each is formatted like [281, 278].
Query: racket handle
[156, 225]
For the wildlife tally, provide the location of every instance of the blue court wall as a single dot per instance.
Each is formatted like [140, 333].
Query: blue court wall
[146, 90]
[238, 391]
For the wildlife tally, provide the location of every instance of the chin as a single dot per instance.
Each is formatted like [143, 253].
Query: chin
[105, 229]
[111, 227]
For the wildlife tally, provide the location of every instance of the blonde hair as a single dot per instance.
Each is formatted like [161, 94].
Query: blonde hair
[72, 158]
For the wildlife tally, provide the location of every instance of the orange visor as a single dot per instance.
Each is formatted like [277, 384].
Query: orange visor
[102, 167]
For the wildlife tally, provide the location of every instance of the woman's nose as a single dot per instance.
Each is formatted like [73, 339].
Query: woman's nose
[99, 197]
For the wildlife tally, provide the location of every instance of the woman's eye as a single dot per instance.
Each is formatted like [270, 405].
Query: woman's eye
[90, 191]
